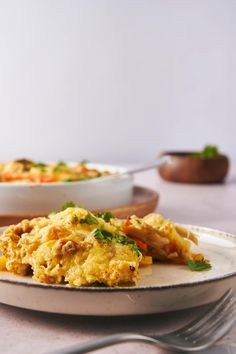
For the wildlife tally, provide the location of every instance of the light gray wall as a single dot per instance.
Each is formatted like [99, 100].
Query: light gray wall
[116, 80]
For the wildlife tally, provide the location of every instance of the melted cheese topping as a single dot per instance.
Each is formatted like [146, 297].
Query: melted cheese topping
[62, 250]
[76, 248]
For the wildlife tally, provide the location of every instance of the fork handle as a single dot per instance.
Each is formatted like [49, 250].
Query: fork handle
[105, 342]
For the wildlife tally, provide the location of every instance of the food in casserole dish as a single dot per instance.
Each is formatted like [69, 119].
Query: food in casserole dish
[77, 248]
[37, 172]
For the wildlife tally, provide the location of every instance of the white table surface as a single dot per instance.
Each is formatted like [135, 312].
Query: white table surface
[26, 332]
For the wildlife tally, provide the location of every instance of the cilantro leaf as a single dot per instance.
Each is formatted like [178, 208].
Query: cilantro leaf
[89, 219]
[61, 163]
[138, 221]
[59, 166]
[106, 236]
[75, 218]
[83, 162]
[68, 180]
[208, 151]
[127, 241]
[39, 164]
[52, 212]
[69, 204]
[198, 266]
[105, 216]
[103, 235]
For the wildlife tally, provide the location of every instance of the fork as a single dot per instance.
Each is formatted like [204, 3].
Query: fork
[197, 335]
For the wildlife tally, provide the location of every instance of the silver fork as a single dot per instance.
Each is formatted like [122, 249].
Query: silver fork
[197, 335]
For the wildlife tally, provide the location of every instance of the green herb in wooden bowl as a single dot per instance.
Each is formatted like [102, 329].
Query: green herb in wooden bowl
[208, 152]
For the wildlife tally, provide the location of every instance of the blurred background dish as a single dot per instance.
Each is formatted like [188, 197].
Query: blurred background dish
[41, 198]
[144, 201]
[30, 171]
[206, 166]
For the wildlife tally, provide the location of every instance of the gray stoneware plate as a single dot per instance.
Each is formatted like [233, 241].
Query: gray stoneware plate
[162, 288]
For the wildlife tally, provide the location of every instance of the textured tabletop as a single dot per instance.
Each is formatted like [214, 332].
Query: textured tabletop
[25, 332]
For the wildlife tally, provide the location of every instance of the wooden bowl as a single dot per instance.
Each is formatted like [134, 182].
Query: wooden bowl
[187, 168]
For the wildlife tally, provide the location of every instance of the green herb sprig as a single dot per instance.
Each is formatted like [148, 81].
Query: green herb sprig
[84, 162]
[41, 166]
[106, 236]
[51, 213]
[68, 180]
[89, 219]
[59, 166]
[68, 204]
[107, 216]
[198, 266]
[75, 218]
[127, 241]
[208, 152]
[103, 235]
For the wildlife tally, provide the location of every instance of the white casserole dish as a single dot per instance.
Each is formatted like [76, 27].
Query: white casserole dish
[41, 198]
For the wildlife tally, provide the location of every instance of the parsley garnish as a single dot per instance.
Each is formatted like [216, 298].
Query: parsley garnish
[198, 266]
[106, 236]
[105, 216]
[127, 241]
[83, 162]
[75, 218]
[138, 221]
[69, 204]
[103, 235]
[208, 151]
[52, 212]
[58, 166]
[61, 163]
[76, 179]
[68, 180]
[39, 164]
[89, 219]
[82, 178]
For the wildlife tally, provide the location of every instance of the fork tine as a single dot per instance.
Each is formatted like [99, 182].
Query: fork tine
[209, 325]
[221, 330]
[211, 330]
[217, 332]
[196, 323]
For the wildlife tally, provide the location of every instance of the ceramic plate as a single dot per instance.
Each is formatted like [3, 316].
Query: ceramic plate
[162, 288]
